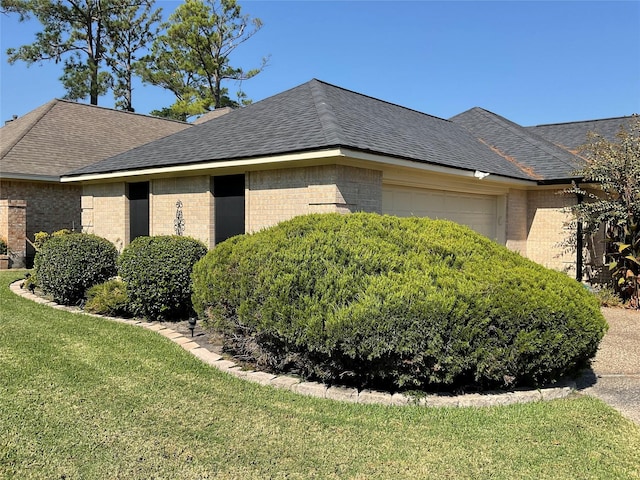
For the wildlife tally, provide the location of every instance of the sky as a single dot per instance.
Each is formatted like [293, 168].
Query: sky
[531, 62]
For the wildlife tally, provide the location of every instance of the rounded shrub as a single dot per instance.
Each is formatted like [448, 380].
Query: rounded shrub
[157, 272]
[380, 301]
[67, 265]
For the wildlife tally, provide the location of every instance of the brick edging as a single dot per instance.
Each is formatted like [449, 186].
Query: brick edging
[297, 385]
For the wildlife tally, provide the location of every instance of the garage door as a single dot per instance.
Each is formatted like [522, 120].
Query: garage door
[476, 211]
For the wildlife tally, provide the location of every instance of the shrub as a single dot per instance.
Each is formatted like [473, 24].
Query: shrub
[157, 272]
[3, 247]
[67, 265]
[39, 238]
[108, 298]
[380, 301]
[607, 297]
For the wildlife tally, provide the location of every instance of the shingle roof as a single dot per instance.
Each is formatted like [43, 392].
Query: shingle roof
[574, 134]
[61, 136]
[530, 152]
[315, 116]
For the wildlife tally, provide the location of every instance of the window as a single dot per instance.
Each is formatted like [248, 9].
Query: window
[228, 193]
[138, 194]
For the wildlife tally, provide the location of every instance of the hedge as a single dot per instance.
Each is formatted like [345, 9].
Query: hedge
[371, 300]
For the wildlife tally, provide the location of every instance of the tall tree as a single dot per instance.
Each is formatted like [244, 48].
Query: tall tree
[79, 33]
[614, 166]
[131, 27]
[192, 57]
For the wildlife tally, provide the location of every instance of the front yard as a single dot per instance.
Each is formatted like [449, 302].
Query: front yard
[87, 398]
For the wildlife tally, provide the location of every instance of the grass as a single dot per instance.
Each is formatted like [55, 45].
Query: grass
[87, 398]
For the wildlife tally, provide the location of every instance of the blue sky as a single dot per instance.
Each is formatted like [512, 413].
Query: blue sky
[532, 62]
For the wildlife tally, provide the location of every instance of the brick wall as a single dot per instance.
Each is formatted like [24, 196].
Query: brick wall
[516, 230]
[547, 226]
[49, 207]
[13, 230]
[105, 212]
[197, 207]
[277, 195]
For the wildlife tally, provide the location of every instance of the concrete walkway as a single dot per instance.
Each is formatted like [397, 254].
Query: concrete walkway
[615, 373]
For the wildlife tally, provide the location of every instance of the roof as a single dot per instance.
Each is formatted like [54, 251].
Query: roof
[535, 155]
[62, 135]
[311, 117]
[574, 134]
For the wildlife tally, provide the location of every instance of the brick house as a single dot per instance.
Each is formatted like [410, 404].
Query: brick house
[321, 148]
[39, 147]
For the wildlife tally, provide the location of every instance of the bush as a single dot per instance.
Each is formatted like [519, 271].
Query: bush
[108, 298]
[3, 247]
[379, 301]
[607, 296]
[67, 265]
[157, 272]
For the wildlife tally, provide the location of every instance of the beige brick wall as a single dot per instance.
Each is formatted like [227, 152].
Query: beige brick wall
[516, 229]
[547, 229]
[197, 206]
[273, 196]
[50, 207]
[105, 212]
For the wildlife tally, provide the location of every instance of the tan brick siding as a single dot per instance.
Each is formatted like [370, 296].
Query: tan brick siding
[194, 193]
[547, 225]
[277, 195]
[105, 212]
[517, 221]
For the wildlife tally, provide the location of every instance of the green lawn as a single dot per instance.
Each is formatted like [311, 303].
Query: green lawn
[87, 398]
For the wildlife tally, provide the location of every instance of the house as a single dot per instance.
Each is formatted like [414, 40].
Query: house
[321, 148]
[60, 136]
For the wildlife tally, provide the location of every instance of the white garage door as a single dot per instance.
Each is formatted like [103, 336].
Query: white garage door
[476, 211]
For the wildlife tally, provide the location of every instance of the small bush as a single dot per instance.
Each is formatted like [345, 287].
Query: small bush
[108, 298]
[380, 301]
[157, 272]
[3, 247]
[67, 265]
[607, 297]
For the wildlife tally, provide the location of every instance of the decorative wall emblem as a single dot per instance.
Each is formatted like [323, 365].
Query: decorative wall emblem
[178, 223]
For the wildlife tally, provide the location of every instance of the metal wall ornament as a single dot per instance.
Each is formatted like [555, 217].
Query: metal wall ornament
[178, 223]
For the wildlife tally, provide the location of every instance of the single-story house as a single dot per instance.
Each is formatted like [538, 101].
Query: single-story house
[321, 148]
[37, 148]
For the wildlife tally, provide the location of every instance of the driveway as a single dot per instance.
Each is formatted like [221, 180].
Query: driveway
[615, 374]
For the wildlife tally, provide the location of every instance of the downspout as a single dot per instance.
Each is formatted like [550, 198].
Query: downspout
[579, 240]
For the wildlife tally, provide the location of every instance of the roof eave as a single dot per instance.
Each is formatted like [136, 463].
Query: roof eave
[29, 177]
[281, 159]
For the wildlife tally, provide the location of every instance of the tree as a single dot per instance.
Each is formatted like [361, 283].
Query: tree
[130, 29]
[615, 206]
[192, 57]
[83, 33]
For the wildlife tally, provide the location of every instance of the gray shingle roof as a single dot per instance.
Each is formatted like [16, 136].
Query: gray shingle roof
[316, 116]
[533, 154]
[61, 136]
[574, 134]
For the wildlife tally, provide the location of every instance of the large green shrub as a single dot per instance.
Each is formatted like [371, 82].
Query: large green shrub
[378, 301]
[67, 265]
[157, 272]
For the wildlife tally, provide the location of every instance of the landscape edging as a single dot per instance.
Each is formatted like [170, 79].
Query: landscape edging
[345, 394]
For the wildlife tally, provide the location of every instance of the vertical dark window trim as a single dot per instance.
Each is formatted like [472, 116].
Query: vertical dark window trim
[229, 211]
[138, 195]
